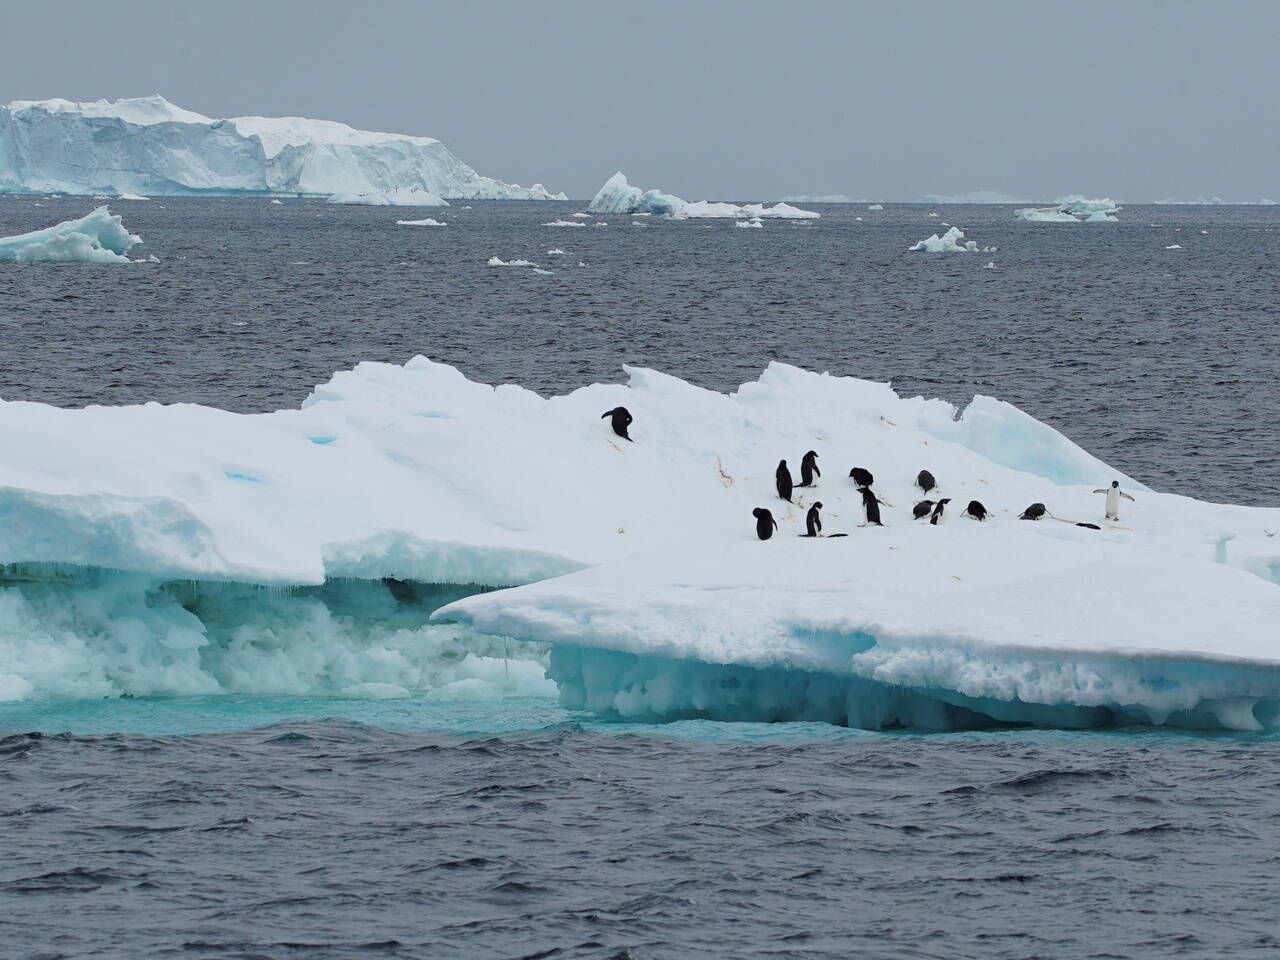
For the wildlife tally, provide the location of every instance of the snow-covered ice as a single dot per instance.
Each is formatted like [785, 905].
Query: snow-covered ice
[498, 262]
[1045, 215]
[565, 223]
[407, 197]
[131, 196]
[428, 222]
[147, 145]
[141, 574]
[555, 252]
[1174, 246]
[749, 223]
[619, 196]
[97, 237]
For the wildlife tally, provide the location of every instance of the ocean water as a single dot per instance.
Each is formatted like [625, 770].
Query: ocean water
[443, 827]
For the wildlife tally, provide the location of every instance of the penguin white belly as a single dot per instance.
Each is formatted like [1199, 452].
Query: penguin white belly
[1113, 502]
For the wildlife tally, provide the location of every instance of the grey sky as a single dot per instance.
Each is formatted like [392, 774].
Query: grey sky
[1137, 99]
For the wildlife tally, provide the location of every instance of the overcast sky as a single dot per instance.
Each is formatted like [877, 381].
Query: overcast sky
[1139, 100]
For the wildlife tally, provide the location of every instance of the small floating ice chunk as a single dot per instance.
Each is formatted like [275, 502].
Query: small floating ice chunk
[498, 262]
[1100, 216]
[749, 223]
[1174, 246]
[580, 214]
[421, 223]
[97, 237]
[564, 223]
[949, 242]
[545, 273]
[555, 252]
[989, 265]
[131, 196]
[876, 206]
[277, 201]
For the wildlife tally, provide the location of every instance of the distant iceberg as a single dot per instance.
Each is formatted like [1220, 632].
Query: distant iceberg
[1215, 202]
[974, 196]
[147, 145]
[1045, 215]
[97, 237]
[619, 196]
[1076, 203]
[1072, 209]
[408, 197]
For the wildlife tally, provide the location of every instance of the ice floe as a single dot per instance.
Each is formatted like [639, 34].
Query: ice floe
[144, 573]
[619, 196]
[950, 242]
[97, 237]
[428, 222]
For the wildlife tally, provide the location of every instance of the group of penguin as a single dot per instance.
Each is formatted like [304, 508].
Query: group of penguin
[620, 420]
[862, 479]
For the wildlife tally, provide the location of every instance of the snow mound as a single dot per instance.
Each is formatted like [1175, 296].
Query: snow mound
[950, 242]
[97, 237]
[147, 145]
[408, 197]
[421, 223]
[619, 196]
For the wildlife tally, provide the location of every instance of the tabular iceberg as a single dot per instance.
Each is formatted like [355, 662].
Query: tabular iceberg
[619, 196]
[147, 145]
[1072, 209]
[97, 237]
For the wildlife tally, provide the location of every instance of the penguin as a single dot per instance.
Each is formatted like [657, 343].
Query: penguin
[925, 481]
[862, 477]
[937, 510]
[871, 503]
[808, 469]
[1114, 493]
[813, 522]
[783, 479]
[976, 510]
[922, 509]
[1033, 512]
[620, 418]
[765, 524]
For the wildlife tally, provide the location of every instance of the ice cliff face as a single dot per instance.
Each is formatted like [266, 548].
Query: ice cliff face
[150, 146]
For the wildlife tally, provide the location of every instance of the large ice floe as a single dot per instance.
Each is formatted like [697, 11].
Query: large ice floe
[147, 145]
[97, 237]
[619, 196]
[359, 545]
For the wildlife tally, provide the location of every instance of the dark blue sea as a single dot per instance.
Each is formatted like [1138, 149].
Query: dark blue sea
[328, 827]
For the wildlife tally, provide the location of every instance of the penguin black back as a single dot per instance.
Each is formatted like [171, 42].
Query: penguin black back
[871, 505]
[809, 469]
[619, 418]
[976, 510]
[783, 479]
[922, 509]
[937, 510]
[1033, 512]
[862, 477]
[812, 521]
[925, 481]
[765, 524]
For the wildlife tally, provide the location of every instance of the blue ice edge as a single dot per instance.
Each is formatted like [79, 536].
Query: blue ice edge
[1123, 691]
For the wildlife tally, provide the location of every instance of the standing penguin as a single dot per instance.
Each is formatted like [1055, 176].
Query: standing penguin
[809, 469]
[922, 509]
[925, 481]
[976, 510]
[871, 504]
[620, 418]
[783, 479]
[1033, 512]
[765, 524]
[937, 510]
[1114, 493]
[862, 477]
[813, 522]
